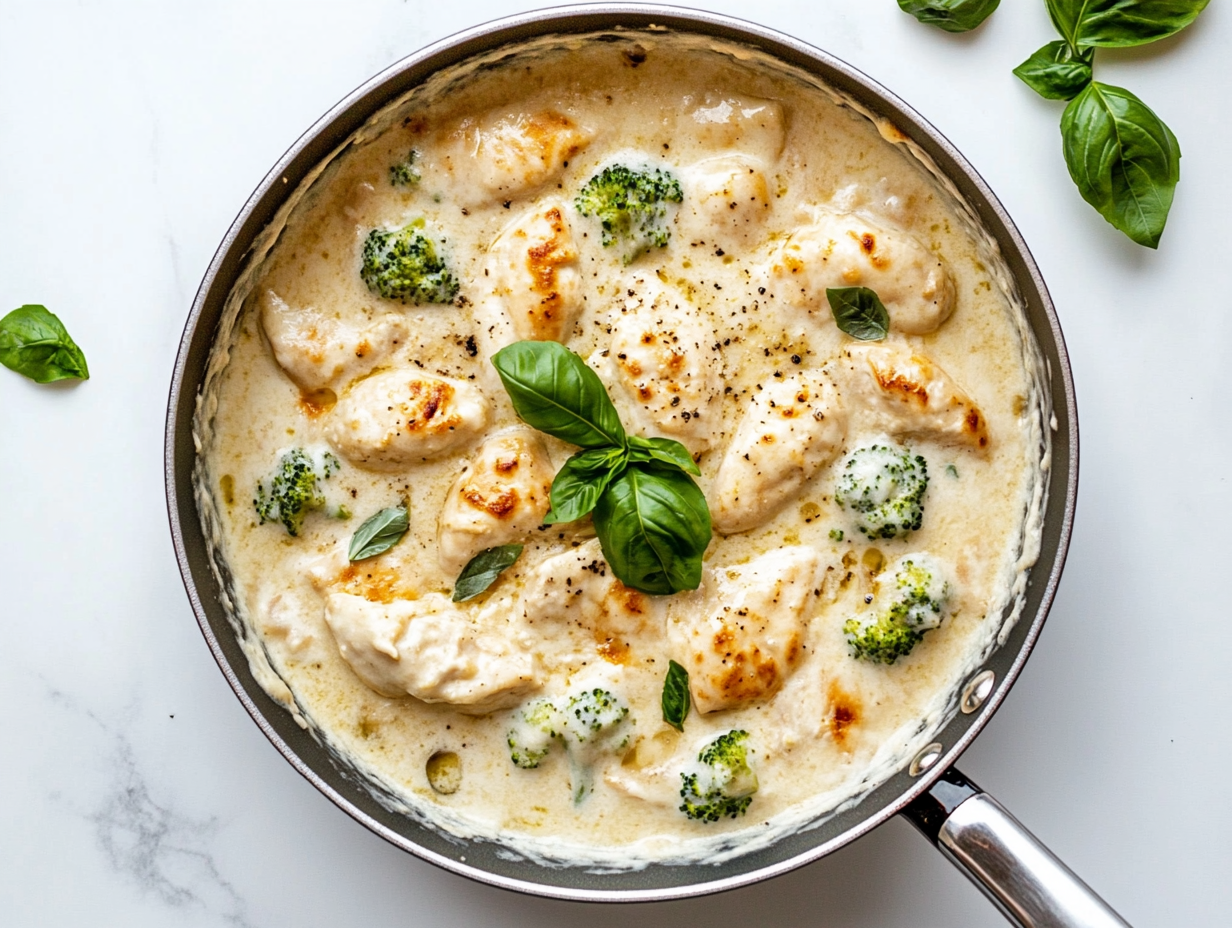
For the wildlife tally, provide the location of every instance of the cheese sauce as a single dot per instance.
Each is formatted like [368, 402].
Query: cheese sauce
[783, 182]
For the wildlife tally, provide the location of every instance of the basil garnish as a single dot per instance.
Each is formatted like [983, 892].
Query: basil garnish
[1056, 72]
[662, 449]
[1121, 23]
[1124, 160]
[554, 391]
[34, 342]
[579, 483]
[483, 569]
[859, 312]
[379, 533]
[652, 520]
[654, 525]
[950, 15]
[675, 696]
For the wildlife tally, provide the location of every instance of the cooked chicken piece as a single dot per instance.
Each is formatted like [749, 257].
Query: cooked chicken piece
[501, 157]
[576, 588]
[791, 429]
[667, 359]
[499, 498]
[908, 396]
[430, 649]
[748, 635]
[318, 349]
[724, 198]
[401, 417]
[533, 270]
[845, 250]
[745, 124]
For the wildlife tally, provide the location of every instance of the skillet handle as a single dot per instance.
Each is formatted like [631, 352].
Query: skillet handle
[1024, 879]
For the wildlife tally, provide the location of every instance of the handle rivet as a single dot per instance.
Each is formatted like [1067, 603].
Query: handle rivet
[977, 691]
[925, 759]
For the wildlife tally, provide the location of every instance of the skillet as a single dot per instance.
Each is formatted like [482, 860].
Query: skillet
[1030, 885]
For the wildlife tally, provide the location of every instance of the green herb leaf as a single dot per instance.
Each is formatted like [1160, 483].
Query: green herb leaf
[675, 696]
[662, 449]
[950, 15]
[858, 311]
[483, 569]
[654, 525]
[35, 343]
[554, 391]
[379, 533]
[1124, 160]
[582, 480]
[1121, 23]
[1055, 72]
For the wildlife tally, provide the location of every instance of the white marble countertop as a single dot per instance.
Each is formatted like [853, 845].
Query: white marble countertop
[140, 793]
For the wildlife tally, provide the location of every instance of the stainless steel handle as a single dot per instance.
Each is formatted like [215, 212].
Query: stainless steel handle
[1024, 879]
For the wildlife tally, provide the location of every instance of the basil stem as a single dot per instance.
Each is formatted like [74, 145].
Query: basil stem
[380, 532]
[858, 311]
[34, 343]
[675, 696]
[483, 569]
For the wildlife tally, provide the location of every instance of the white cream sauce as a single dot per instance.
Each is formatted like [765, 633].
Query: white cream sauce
[764, 153]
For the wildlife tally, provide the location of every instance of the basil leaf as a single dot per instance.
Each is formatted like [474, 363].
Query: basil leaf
[34, 342]
[554, 391]
[950, 15]
[580, 482]
[1121, 23]
[662, 449]
[653, 525]
[1055, 72]
[1123, 158]
[858, 311]
[483, 569]
[675, 696]
[379, 533]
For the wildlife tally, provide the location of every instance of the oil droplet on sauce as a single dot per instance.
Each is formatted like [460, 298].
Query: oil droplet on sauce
[445, 772]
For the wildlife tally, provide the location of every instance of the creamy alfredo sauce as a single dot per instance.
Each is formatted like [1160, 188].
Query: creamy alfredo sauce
[785, 186]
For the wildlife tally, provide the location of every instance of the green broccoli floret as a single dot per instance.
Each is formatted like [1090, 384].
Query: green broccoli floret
[631, 206]
[404, 173]
[590, 723]
[530, 740]
[722, 783]
[917, 605]
[404, 265]
[294, 489]
[884, 486]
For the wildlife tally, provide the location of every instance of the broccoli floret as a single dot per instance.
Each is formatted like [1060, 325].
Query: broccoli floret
[530, 740]
[294, 489]
[404, 265]
[404, 173]
[590, 723]
[917, 605]
[884, 486]
[631, 206]
[722, 783]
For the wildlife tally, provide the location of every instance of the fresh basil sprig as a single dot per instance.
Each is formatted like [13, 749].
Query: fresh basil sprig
[859, 312]
[1124, 160]
[1121, 23]
[34, 342]
[675, 698]
[652, 520]
[380, 532]
[1056, 71]
[950, 15]
[483, 569]
[554, 391]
